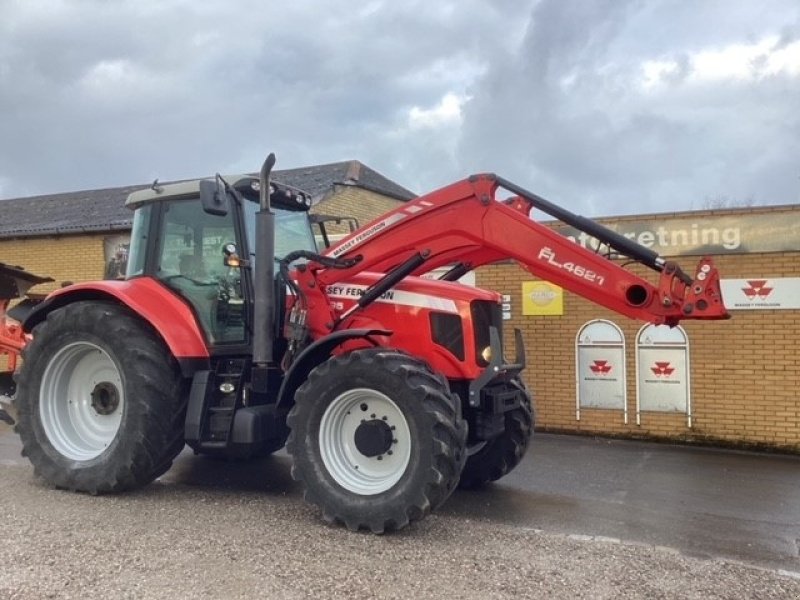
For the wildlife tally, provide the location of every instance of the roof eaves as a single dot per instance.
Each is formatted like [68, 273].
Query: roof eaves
[65, 230]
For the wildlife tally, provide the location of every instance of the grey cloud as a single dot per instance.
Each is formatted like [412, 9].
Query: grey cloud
[105, 93]
[566, 115]
[96, 94]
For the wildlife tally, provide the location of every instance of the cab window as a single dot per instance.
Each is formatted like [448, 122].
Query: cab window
[191, 262]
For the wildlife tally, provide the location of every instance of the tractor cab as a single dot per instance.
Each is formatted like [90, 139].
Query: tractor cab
[198, 239]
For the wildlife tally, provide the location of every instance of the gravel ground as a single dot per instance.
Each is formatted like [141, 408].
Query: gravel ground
[172, 540]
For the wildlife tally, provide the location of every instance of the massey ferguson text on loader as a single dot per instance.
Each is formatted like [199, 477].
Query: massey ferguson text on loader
[389, 390]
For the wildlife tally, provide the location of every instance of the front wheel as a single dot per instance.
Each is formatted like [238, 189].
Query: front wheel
[490, 460]
[377, 440]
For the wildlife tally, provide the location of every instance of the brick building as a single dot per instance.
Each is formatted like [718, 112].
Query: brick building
[742, 375]
[738, 383]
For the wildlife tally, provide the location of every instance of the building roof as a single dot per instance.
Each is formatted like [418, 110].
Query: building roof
[319, 179]
[96, 211]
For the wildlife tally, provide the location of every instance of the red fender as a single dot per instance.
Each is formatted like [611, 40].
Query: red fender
[170, 316]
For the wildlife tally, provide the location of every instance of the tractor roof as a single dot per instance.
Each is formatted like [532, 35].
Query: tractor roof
[284, 196]
[158, 192]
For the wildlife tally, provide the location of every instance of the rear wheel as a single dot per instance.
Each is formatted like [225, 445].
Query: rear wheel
[377, 440]
[490, 460]
[101, 400]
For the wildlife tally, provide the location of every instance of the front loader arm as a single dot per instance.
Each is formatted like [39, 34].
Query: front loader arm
[465, 223]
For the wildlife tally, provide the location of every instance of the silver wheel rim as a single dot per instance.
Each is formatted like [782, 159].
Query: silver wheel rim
[81, 401]
[360, 474]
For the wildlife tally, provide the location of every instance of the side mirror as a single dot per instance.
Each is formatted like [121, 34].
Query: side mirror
[213, 198]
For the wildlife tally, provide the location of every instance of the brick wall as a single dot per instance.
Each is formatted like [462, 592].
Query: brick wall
[64, 258]
[745, 373]
[352, 201]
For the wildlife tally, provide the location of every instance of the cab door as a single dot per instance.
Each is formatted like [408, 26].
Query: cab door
[191, 262]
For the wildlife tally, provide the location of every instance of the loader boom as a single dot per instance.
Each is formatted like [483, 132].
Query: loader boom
[466, 224]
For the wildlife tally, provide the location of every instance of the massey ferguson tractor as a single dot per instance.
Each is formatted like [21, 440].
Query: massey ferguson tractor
[234, 334]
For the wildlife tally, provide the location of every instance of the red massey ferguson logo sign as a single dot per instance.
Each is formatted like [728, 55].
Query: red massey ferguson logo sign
[662, 369]
[600, 367]
[757, 289]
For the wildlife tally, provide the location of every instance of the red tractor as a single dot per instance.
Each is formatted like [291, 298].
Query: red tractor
[388, 389]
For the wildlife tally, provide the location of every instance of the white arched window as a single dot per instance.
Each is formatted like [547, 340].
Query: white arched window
[662, 371]
[600, 360]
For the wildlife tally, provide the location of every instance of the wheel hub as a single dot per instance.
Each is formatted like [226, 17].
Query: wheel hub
[365, 441]
[105, 398]
[373, 438]
[81, 401]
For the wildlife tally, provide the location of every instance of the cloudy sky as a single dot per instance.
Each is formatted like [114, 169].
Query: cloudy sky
[605, 106]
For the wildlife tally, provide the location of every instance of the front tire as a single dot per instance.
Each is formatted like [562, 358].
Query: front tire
[377, 439]
[101, 400]
[490, 460]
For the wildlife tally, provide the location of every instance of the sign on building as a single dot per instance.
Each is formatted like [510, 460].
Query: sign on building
[780, 293]
[662, 371]
[541, 298]
[600, 357]
[704, 234]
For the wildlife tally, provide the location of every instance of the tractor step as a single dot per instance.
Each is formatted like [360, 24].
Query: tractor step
[217, 419]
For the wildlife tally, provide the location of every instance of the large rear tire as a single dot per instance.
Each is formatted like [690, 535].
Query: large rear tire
[100, 399]
[377, 439]
[490, 460]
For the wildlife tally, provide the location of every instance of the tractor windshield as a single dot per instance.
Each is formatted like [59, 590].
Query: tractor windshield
[292, 230]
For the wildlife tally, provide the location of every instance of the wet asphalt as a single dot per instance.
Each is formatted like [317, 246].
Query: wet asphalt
[580, 517]
[706, 502]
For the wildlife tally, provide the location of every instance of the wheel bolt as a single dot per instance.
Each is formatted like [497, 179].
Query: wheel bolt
[372, 416]
[364, 407]
[380, 457]
[389, 452]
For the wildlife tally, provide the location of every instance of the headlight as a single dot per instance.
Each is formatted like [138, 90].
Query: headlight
[486, 354]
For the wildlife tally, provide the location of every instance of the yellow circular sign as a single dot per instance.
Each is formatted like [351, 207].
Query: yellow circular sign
[542, 294]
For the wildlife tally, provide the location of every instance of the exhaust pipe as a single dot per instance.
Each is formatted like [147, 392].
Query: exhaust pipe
[264, 272]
